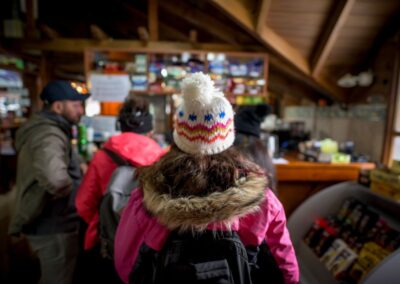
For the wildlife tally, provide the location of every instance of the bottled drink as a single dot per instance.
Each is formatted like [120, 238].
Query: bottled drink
[82, 140]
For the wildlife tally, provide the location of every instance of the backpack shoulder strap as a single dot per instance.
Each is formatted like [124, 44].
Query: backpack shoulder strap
[116, 158]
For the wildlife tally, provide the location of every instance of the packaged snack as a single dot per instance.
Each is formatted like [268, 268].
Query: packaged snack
[386, 176]
[386, 182]
[370, 255]
[372, 234]
[313, 235]
[346, 232]
[368, 220]
[333, 251]
[356, 214]
[382, 235]
[395, 167]
[327, 237]
[353, 240]
[346, 208]
[342, 261]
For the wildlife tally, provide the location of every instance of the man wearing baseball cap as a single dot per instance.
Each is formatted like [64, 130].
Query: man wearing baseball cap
[48, 175]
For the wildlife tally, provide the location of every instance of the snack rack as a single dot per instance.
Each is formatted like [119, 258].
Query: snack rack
[326, 203]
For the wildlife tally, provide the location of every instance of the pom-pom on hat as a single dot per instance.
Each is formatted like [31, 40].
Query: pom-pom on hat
[204, 122]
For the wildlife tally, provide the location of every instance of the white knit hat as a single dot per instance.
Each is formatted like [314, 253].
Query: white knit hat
[204, 122]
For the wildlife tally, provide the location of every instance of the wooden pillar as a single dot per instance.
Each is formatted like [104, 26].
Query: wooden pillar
[391, 106]
[153, 19]
[30, 20]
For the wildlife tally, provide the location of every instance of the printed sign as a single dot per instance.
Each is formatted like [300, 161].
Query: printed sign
[113, 88]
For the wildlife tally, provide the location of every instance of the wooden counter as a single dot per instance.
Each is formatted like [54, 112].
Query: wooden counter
[308, 171]
[298, 180]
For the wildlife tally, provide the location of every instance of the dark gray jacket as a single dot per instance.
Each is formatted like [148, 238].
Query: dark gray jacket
[47, 177]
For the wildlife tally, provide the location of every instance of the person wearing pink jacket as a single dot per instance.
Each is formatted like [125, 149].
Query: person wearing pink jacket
[203, 185]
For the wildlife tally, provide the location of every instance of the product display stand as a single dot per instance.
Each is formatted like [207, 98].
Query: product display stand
[327, 202]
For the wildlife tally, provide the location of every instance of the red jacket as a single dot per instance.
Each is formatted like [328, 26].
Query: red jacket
[139, 150]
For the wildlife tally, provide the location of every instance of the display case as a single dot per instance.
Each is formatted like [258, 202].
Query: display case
[112, 74]
[326, 203]
[237, 74]
[14, 105]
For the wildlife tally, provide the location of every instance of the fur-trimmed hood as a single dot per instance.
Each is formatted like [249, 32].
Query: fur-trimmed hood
[197, 212]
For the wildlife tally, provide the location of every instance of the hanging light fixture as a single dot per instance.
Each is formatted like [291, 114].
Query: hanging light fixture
[363, 79]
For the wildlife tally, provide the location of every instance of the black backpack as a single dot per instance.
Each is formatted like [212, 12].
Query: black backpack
[116, 197]
[211, 257]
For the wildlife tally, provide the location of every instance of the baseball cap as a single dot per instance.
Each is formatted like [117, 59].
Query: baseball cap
[60, 90]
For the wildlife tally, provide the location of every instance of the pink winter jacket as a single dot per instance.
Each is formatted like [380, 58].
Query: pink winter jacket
[264, 220]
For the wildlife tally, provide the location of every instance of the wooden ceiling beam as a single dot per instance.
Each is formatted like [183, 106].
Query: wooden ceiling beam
[79, 45]
[201, 21]
[98, 33]
[152, 19]
[330, 34]
[165, 28]
[321, 87]
[284, 49]
[193, 36]
[263, 14]
[49, 32]
[238, 12]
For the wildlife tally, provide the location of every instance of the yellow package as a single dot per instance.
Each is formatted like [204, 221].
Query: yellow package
[370, 256]
[386, 177]
[395, 167]
[385, 190]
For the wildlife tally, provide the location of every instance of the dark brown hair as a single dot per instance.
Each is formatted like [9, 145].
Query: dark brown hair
[255, 150]
[134, 115]
[180, 174]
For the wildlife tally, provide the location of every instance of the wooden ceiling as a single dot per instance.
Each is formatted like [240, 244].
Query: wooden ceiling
[312, 42]
[322, 39]
[304, 23]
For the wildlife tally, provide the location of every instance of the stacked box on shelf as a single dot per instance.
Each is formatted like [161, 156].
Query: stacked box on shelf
[138, 72]
[241, 79]
[395, 167]
[166, 71]
[386, 182]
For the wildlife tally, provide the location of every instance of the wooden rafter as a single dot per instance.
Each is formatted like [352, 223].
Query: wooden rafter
[79, 45]
[165, 28]
[330, 34]
[199, 19]
[143, 33]
[98, 33]
[262, 14]
[30, 19]
[49, 32]
[241, 15]
[193, 36]
[238, 12]
[153, 19]
[283, 67]
[391, 112]
[283, 48]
